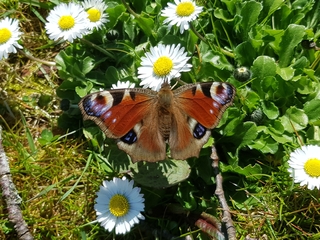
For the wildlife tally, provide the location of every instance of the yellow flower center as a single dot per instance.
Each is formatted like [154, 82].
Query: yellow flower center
[119, 205]
[66, 22]
[162, 66]
[185, 9]
[94, 14]
[312, 167]
[5, 35]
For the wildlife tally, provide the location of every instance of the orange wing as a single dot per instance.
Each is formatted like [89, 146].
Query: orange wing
[130, 116]
[116, 112]
[205, 102]
[198, 109]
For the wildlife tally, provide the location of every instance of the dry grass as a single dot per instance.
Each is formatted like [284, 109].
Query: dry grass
[54, 180]
[42, 174]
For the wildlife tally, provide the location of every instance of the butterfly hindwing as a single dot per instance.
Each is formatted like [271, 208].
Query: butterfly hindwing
[150, 144]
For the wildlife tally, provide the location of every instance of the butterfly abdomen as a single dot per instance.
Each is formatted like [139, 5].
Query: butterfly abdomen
[165, 110]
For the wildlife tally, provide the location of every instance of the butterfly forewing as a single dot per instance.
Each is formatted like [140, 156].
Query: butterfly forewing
[116, 112]
[205, 102]
[130, 116]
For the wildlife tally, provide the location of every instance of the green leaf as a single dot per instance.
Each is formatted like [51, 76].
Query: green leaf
[294, 120]
[268, 86]
[301, 63]
[161, 174]
[146, 25]
[129, 28]
[87, 65]
[114, 13]
[217, 60]
[265, 145]
[251, 98]
[305, 85]
[277, 132]
[32, 146]
[245, 53]
[245, 133]
[264, 66]
[83, 91]
[286, 73]
[292, 36]
[112, 74]
[250, 12]
[270, 6]
[312, 110]
[270, 109]
[249, 133]
[251, 172]
[185, 196]
[222, 14]
[313, 134]
[47, 137]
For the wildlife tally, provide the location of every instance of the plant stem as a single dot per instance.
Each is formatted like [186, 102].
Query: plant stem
[130, 9]
[98, 48]
[28, 55]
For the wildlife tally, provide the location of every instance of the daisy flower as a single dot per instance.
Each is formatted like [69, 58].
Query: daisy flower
[305, 166]
[181, 13]
[67, 21]
[121, 85]
[118, 205]
[96, 15]
[9, 36]
[162, 63]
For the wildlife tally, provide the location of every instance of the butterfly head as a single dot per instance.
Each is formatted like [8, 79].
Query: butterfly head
[165, 84]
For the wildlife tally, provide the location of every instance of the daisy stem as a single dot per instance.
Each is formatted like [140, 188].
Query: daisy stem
[28, 55]
[206, 41]
[129, 9]
[197, 33]
[98, 48]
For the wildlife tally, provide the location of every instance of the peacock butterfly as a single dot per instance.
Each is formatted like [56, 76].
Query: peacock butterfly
[143, 120]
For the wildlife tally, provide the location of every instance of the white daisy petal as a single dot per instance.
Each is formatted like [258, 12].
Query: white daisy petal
[181, 13]
[67, 21]
[122, 85]
[162, 63]
[304, 166]
[9, 36]
[119, 205]
[96, 13]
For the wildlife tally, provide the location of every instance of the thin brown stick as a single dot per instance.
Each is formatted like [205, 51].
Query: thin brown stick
[11, 196]
[226, 217]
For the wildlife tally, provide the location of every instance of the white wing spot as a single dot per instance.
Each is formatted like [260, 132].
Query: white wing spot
[108, 114]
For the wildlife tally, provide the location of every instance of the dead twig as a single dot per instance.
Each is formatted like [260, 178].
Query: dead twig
[226, 219]
[11, 197]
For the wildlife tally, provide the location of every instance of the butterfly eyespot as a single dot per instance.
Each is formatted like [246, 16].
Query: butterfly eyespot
[87, 107]
[130, 137]
[199, 131]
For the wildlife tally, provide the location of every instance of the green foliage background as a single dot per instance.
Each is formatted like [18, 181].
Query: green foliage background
[273, 113]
